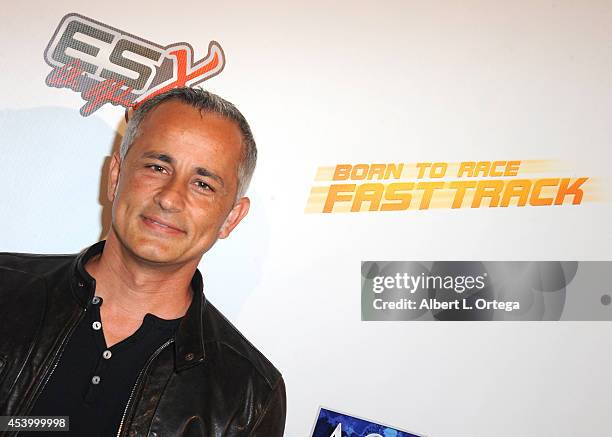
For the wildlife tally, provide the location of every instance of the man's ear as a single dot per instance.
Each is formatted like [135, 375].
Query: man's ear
[113, 177]
[238, 212]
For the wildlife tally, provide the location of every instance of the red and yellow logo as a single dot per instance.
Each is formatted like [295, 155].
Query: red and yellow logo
[425, 185]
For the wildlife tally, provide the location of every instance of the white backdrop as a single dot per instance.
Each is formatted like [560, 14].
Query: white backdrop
[345, 82]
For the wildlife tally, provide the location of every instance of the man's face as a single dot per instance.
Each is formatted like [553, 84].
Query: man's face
[174, 193]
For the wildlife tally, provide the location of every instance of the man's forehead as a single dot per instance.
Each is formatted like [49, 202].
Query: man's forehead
[177, 114]
[174, 108]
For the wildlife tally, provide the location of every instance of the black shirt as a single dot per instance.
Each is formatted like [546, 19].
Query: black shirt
[92, 383]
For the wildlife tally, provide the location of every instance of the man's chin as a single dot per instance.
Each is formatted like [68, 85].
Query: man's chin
[154, 249]
[156, 252]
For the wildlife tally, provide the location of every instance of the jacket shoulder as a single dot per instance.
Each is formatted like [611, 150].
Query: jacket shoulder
[218, 329]
[34, 264]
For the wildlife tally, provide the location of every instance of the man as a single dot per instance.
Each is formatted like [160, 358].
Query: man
[120, 337]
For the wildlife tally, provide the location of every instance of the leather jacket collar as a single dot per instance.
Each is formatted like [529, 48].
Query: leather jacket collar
[189, 337]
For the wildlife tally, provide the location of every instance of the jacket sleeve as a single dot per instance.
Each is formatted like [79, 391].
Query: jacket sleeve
[271, 422]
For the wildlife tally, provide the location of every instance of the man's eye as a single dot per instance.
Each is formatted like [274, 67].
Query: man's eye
[156, 168]
[204, 186]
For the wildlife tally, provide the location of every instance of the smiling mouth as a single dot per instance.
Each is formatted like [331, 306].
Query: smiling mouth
[158, 225]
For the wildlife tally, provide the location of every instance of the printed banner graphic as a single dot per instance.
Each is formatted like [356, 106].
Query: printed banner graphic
[107, 65]
[333, 424]
[486, 290]
[378, 187]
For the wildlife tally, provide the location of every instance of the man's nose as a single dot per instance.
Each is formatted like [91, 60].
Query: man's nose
[171, 196]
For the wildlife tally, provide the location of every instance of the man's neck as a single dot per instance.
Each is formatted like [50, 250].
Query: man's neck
[132, 288]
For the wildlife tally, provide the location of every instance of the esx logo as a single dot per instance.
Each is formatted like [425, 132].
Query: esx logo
[107, 65]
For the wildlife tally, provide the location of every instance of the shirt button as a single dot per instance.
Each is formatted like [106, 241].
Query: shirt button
[81, 284]
[95, 380]
[96, 325]
[95, 300]
[107, 354]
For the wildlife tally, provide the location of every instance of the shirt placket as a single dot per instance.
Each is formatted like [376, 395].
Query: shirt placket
[98, 377]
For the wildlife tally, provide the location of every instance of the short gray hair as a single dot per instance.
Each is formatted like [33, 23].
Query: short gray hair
[206, 102]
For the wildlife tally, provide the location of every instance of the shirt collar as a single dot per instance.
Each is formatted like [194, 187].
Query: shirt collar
[189, 336]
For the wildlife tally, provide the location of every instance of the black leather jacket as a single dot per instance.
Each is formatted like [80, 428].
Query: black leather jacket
[206, 381]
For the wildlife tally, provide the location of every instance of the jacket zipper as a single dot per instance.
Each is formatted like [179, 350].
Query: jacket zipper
[28, 406]
[139, 380]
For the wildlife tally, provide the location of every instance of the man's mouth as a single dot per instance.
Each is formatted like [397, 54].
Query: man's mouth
[161, 225]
